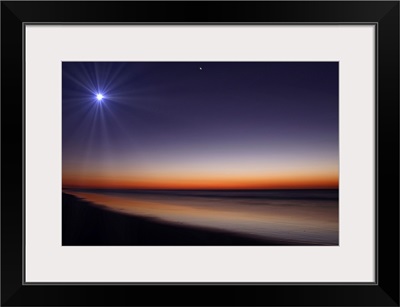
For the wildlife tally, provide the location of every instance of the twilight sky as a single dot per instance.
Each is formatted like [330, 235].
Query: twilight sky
[200, 125]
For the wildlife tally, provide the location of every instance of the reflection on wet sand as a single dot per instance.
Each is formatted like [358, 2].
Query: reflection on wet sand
[299, 218]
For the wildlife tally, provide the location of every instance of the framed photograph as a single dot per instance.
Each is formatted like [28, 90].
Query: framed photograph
[244, 153]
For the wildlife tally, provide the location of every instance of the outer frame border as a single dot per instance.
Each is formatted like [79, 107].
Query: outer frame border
[385, 17]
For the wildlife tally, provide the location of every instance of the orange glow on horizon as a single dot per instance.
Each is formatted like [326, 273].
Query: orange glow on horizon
[297, 181]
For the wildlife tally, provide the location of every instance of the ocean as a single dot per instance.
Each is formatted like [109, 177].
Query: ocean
[295, 216]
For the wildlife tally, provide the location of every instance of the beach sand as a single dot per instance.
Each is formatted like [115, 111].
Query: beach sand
[87, 224]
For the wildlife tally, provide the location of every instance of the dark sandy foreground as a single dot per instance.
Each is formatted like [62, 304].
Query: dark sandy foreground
[86, 224]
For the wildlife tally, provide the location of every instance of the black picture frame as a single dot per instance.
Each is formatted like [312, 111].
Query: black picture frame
[383, 14]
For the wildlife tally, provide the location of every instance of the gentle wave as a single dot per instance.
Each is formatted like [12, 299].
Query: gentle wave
[304, 216]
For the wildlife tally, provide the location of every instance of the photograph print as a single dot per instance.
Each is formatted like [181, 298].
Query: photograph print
[200, 153]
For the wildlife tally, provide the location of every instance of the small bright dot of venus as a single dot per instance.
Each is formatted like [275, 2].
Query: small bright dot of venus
[99, 96]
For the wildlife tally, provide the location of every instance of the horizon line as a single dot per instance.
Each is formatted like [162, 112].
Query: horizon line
[201, 189]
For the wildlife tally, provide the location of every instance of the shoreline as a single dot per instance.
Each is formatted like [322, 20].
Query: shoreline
[88, 224]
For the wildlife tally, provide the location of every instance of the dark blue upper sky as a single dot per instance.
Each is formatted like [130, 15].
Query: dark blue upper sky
[195, 122]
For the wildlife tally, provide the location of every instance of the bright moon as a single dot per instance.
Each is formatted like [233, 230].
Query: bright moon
[99, 97]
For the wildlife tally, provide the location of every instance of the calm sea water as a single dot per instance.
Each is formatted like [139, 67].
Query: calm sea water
[302, 216]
